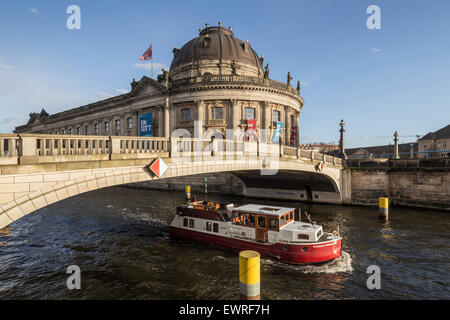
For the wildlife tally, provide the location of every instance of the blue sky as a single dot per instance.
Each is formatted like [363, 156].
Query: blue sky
[379, 81]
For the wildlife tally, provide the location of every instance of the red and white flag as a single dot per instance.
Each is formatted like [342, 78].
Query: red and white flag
[147, 54]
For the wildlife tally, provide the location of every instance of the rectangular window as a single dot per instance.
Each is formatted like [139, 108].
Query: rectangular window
[130, 123]
[63, 131]
[87, 129]
[117, 125]
[78, 130]
[70, 131]
[56, 131]
[276, 115]
[217, 113]
[302, 236]
[185, 114]
[444, 144]
[261, 222]
[291, 216]
[208, 226]
[107, 126]
[185, 222]
[215, 227]
[96, 128]
[282, 220]
[249, 113]
[191, 223]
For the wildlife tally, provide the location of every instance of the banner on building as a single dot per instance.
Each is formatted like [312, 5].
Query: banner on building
[146, 125]
[293, 135]
[250, 133]
[277, 133]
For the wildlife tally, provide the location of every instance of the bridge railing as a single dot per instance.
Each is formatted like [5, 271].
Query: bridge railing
[42, 148]
[8, 148]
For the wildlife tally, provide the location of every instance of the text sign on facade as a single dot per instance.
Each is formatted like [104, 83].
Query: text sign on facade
[146, 125]
[277, 133]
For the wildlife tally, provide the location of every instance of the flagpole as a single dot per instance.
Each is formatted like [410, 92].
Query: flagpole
[152, 58]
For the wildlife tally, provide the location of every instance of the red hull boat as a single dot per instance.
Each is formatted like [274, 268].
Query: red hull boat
[269, 230]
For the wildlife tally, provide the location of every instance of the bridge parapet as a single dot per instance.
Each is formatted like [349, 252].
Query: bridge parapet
[23, 149]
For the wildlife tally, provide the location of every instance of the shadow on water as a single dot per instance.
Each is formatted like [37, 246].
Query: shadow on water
[119, 238]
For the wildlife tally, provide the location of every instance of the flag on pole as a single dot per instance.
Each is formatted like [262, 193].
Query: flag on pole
[147, 54]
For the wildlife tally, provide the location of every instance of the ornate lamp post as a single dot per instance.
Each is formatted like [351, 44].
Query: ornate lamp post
[341, 140]
[396, 145]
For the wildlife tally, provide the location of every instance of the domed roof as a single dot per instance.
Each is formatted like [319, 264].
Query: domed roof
[215, 43]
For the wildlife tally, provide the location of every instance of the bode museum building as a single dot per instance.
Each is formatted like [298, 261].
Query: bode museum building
[215, 79]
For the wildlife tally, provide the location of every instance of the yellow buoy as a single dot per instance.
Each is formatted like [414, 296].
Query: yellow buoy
[249, 275]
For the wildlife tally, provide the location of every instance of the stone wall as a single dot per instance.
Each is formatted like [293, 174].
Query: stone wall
[414, 187]
[224, 182]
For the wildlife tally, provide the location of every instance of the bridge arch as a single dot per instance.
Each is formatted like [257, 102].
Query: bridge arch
[44, 188]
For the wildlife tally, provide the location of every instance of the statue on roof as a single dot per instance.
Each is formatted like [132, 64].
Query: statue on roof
[298, 86]
[289, 78]
[133, 84]
[266, 72]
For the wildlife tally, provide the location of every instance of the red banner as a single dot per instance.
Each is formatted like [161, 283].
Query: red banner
[293, 135]
[250, 134]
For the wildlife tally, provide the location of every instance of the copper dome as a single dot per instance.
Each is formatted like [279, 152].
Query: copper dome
[215, 43]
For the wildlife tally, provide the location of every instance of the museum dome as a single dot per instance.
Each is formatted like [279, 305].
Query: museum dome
[216, 43]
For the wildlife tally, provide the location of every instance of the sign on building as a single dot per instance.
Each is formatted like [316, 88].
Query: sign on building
[146, 125]
[277, 133]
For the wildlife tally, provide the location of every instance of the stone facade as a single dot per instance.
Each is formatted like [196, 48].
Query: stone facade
[215, 80]
[435, 144]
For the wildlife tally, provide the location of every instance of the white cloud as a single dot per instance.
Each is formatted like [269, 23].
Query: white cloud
[122, 90]
[9, 121]
[104, 94]
[375, 49]
[5, 66]
[33, 10]
[148, 66]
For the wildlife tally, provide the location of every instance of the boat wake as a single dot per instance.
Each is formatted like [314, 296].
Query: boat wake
[339, 265]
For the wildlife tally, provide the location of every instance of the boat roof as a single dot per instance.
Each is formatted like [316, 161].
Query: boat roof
[264, 209]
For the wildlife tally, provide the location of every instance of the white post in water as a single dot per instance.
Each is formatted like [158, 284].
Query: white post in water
[206, 185]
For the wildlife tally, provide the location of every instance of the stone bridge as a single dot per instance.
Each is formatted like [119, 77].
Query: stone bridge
[38, 170]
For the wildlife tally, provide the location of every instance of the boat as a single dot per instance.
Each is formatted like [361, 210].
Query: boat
[269, 230]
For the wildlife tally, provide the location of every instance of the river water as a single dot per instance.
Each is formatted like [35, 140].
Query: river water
[119, 238]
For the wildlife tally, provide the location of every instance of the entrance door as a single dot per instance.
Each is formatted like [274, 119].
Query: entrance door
[261, 228]
[308, 194]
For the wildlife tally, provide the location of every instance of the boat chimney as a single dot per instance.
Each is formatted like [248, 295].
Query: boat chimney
[188, 195]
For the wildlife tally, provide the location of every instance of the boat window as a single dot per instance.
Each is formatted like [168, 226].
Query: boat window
[191, 223]
[225, 216]
[215, 227]
[273, 223]
[250, 220]
[208, 226]
[261, 222]
[185, 222]
[281, 220]
[303, 236]
[292, 215]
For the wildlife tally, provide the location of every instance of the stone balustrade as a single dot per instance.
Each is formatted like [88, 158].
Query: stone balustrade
[18, 149]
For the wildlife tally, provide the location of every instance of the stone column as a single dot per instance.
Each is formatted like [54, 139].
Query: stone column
[298, 128]
[166, 119]
[396, 145]
[161, 121]
[200, 106]
[411, 151]
[341, 140]
[288, 126]
[235, 114]
[266, 119]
